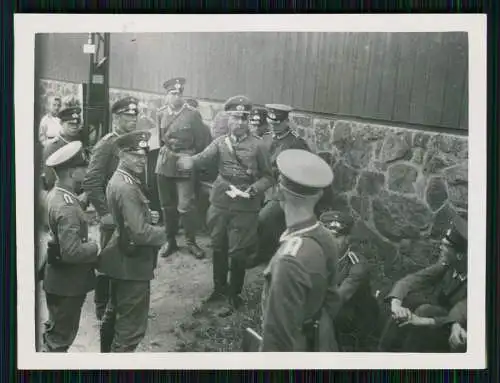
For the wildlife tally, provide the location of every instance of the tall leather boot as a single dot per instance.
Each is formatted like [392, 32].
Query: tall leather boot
[189, 225]
[171, 219]
[220, 269]
[236, 281]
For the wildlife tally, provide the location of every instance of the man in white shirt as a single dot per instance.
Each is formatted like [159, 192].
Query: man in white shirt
[50, 125]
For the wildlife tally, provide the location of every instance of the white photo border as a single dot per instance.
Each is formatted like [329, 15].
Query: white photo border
[25, 28]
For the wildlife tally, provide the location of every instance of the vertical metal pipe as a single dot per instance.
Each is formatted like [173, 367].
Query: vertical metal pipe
[107, 49]
[87, 96]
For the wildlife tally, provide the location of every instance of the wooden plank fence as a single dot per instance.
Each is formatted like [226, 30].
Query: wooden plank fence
[418, 78]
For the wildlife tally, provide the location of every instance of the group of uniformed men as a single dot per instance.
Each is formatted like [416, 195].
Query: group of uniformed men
[263, 202]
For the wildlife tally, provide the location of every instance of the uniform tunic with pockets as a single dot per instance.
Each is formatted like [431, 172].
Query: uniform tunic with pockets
[300, 282]
[129, 259]
[67, 282]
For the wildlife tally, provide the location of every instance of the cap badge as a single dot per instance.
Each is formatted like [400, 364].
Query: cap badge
[132, 106]
[240, 108]
[178, 85]
[74, 115]
[272, 116]
[143, 144]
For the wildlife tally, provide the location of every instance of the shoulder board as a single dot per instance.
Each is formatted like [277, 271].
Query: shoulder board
[189, 106]
[256, 136]
[68, 199]
[292, 246]
[352, 257]
[127, 179]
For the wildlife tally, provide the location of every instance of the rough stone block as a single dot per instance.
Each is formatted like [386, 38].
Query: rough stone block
[371, 245]
[396, 146]
[303, 121]
[402, 178]
[458, 195]
[342, 132]
[323, 133]
[370, 183]
[397, 217]
[442, 221]
[457, 175]
[435, 161]
[420, 139]
[344, 178]
[418, 156]
[368, 132]
[436, 193]
[361, 205]
[358, 153]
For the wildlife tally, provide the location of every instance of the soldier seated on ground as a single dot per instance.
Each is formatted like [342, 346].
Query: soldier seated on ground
[359, 311]
[438, 324]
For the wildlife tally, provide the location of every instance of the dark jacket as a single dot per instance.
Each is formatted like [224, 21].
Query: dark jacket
[103, 163]
[449, 290]
[131, 253]
[74, 274]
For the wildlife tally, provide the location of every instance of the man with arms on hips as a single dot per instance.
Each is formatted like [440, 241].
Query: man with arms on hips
[244, 174]
[71, 256]
[130, 257]
[103, 163]
[182, 133]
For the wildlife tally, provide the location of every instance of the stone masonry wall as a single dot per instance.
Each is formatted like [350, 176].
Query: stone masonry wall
[401, 185]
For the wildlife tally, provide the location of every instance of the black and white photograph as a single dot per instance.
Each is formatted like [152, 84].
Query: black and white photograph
[201, 187]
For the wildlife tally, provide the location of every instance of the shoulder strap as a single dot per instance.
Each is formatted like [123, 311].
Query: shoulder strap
[227, 140]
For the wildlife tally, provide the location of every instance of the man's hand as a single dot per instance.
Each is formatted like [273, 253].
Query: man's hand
[399, 313]
[251, 191]
[458, 336]
[155, 217]
[415, 320]
[185, 163]
[83, 199]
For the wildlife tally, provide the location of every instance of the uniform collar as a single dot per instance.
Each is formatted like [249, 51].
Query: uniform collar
[299, 229]
[65, 140]
[171, 112]
[65, 190]
[238, 140]
[128, 174]
[281, 135]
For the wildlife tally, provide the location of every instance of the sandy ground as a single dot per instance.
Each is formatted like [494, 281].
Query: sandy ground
[181, 283]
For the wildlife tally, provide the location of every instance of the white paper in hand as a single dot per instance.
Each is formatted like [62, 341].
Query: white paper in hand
[235, 192]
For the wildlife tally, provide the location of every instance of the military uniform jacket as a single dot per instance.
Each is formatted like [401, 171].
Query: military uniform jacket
[103, 163]
[131, 253]
[74, 274]
[353, 275]
[51, 147]
[449, 290]
[300, 283]
[279, 143]
[252, 169]
[181, 133]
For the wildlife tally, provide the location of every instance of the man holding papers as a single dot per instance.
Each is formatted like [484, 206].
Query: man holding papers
[244, 174]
